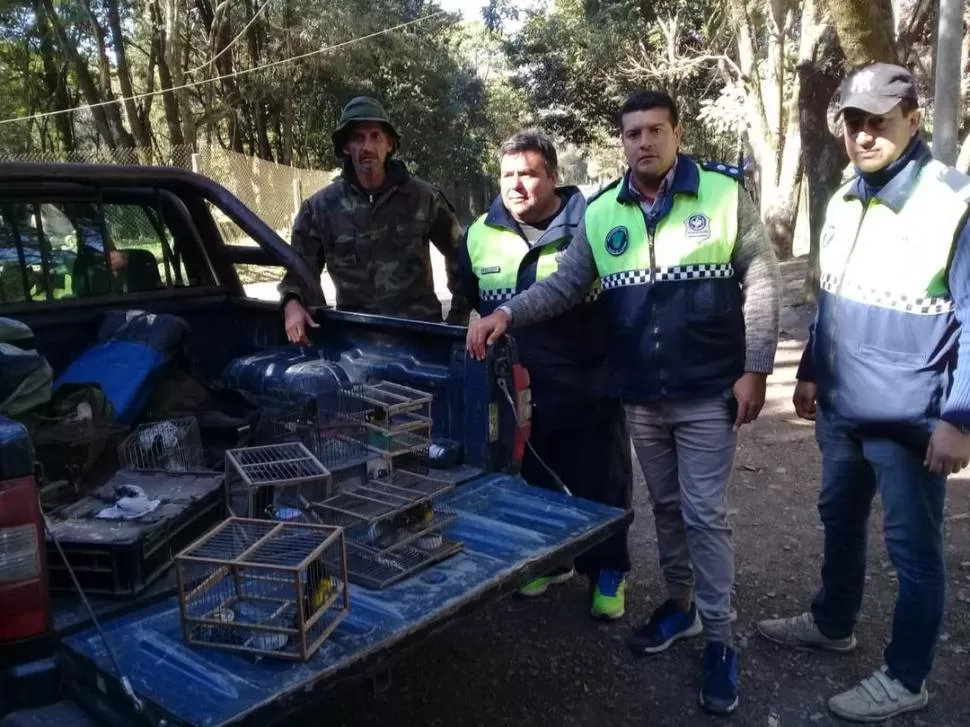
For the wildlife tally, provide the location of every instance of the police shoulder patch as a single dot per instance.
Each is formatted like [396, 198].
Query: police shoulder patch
[617, 240]
[728, 170]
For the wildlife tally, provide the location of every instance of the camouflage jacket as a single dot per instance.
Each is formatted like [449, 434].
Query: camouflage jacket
[375, 246]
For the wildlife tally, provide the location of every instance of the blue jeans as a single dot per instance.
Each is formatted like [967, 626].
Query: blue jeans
[853, 468]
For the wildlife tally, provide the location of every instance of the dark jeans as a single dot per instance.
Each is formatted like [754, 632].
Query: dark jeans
[593, 458]
[853, 468]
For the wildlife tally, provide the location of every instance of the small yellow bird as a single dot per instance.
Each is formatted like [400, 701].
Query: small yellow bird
[317, 589]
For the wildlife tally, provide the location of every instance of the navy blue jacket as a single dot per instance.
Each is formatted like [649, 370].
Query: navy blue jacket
[565, 355]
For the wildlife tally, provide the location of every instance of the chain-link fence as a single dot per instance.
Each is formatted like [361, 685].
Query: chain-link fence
[274, 191]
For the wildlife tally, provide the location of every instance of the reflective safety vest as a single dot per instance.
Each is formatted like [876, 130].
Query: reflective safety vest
[565, 355]
[875, 255]
[673, 302]
[497, 254]
[884, 343]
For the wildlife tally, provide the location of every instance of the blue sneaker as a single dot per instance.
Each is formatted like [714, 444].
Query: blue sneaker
[719, 695]
[666, 625]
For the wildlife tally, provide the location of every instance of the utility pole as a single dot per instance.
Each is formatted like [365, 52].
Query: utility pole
[946, 93]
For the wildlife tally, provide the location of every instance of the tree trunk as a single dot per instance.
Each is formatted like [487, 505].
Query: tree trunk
[176, 59]
[820, 71]
[219, 38]
[772, 129]
[286, 133]
[946, 80]
[55, 81]
[139, 129]
[169, 102]
[865, 30]
[111, 109]
[258, 105]
[83, 75]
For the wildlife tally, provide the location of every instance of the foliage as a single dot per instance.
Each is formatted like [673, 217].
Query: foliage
[56, 55]
[578, 61]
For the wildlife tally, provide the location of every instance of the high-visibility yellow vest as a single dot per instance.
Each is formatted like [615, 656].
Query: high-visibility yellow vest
[893, 259]
[695, 240]
[496, 255]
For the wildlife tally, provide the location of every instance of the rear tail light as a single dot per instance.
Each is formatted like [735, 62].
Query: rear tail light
[24, 601]
[19, 554]
[523, 404]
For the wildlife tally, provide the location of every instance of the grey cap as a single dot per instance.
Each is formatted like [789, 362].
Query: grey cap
[877, 89]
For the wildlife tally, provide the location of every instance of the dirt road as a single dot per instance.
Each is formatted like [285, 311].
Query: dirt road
[544, 662]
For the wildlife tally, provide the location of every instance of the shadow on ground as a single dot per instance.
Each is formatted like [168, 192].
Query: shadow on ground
[544, 662]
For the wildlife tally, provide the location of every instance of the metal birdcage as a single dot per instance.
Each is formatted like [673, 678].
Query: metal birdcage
[329, 422]
[395, 408]
[378, 570]
[340, 436]
[171, 445]
[394, 526]
[345, 424]
[264, 588]
[275, 481]
[72, 453]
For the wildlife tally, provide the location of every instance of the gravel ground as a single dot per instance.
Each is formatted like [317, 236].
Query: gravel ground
[545, 662]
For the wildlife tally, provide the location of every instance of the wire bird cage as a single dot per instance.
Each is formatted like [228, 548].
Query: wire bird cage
[275, 481]
[327, 422]
[397, 419]
[171, 445]
[345, 425]
[72, 451]
[372, 569]
[264, 588]
[394, 526]
[396, 408]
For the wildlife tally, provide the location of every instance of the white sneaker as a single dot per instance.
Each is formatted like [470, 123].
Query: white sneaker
[802, 631]
[877, 698]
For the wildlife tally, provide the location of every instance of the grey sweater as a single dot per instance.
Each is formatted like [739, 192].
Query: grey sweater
[755, 269]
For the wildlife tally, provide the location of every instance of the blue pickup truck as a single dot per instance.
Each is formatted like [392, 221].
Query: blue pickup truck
[56, 666]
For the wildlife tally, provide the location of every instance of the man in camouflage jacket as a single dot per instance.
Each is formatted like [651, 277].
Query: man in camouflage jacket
[370, 227]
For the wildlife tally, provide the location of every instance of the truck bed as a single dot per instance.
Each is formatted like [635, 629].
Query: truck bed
[511, 531]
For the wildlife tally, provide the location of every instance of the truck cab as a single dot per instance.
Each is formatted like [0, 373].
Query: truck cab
[79, 243]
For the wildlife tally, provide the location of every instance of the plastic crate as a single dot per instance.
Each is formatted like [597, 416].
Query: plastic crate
[122, 558]
[264, 588]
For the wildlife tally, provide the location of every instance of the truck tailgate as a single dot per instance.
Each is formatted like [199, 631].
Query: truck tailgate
[511, 531]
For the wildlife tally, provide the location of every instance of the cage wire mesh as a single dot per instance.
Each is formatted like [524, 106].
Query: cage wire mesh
[395, 408]
[70, 451]
[344, 424]
[340, 437]
[394, 526]
[378, 570]
[328, 421]
[275, 481]
[398, 420]
[286, 416]
[171, 445]
[264, 588]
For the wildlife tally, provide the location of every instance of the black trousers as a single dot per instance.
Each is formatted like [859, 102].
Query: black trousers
[592, 456]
